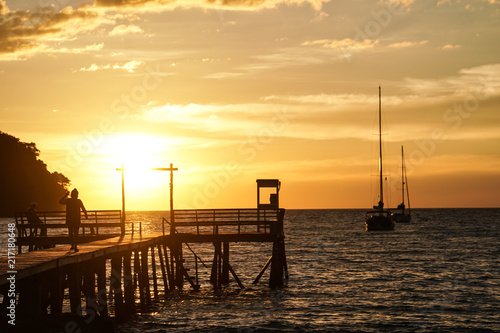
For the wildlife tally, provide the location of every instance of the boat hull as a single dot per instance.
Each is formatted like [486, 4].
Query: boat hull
[402, 217]
[379, 221]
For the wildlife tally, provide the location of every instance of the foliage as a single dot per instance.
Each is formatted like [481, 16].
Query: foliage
[24, 178]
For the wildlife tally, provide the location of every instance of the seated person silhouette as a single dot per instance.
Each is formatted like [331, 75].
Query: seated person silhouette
[33, 218]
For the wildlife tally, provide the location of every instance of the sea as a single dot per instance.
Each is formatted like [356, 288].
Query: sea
[439, 273]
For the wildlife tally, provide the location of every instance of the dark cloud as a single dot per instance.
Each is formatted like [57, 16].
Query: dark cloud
[21, 30]
[118, 3]
[210, 3]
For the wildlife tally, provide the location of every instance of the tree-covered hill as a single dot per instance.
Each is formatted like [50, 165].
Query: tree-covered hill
[24, 178]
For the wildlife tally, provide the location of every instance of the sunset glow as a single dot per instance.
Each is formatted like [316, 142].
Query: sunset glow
[233, 91]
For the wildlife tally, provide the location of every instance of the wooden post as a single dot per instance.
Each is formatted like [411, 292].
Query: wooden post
[153, 266]
[196, 269]
[30, 300]
[225, 264]
[140, 281]
[215, 274]
[171, 169]
[56, 279]
[122, 169]
[74, 283]
[172, 218]
[277, 264]
[101, 287]
[262, 270]
[89, 289]
[235, 277]
[176, 262]
[116, 285]
[128, 284]
[145, 275]
[169, 265]
[163, 273]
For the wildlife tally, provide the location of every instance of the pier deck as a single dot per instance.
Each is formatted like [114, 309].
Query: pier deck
[121, 270]
[35, 262]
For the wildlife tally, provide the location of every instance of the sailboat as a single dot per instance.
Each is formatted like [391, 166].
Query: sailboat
[378, 218]
[404, 215]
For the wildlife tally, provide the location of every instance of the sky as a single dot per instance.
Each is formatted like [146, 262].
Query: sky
[234, 91]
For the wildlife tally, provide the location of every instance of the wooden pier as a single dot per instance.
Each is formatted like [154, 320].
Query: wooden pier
[106, 276]
[118, 276]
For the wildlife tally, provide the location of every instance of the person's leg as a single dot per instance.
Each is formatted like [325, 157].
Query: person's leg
[76, 237]
[70, 234]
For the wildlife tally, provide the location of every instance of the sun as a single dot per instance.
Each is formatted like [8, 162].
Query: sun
[138, 153]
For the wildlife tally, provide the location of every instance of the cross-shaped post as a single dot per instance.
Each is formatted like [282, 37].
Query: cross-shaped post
[171, 169]
[122, 169]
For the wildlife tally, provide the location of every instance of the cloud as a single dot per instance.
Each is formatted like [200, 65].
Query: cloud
[229, 121]
[443, 2]
[449, 2]
[407, 44]
[282, 58]
[482, 81]
[223, 75]
[220, 4]
[46, 49]
[343, 44]
[130, 67]
[20, 29]
[450, 47]
[346, 47]
[343, 101]
[24, 33]
[123, 29]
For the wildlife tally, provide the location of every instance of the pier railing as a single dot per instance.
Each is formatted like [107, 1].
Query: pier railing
[53, 229]
[217, 221]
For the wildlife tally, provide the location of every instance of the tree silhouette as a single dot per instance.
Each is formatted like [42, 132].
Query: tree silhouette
[24, 178]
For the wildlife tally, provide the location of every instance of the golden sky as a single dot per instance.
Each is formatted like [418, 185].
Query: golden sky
[232, 91]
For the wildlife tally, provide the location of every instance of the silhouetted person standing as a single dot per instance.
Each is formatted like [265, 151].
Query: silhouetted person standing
[33, 218]
[73, 217]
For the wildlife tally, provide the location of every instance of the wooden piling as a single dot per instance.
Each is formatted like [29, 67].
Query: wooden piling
[176, 263]
[88, 288]
[224, 279]
[136, 270]
[163, 272]
[169, 266]
[153, 267]
[30, 300]
[235, 277]
[215, 276]
[140, 280]
[145, 275]
[56, 291]
[74, 283]
[116, 285]
[262, 270]
[128, 284]
[101, 287]
[277, 266]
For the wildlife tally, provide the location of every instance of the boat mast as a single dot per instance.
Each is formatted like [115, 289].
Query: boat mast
[381, 203]
[406, 183]
[402, 176]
